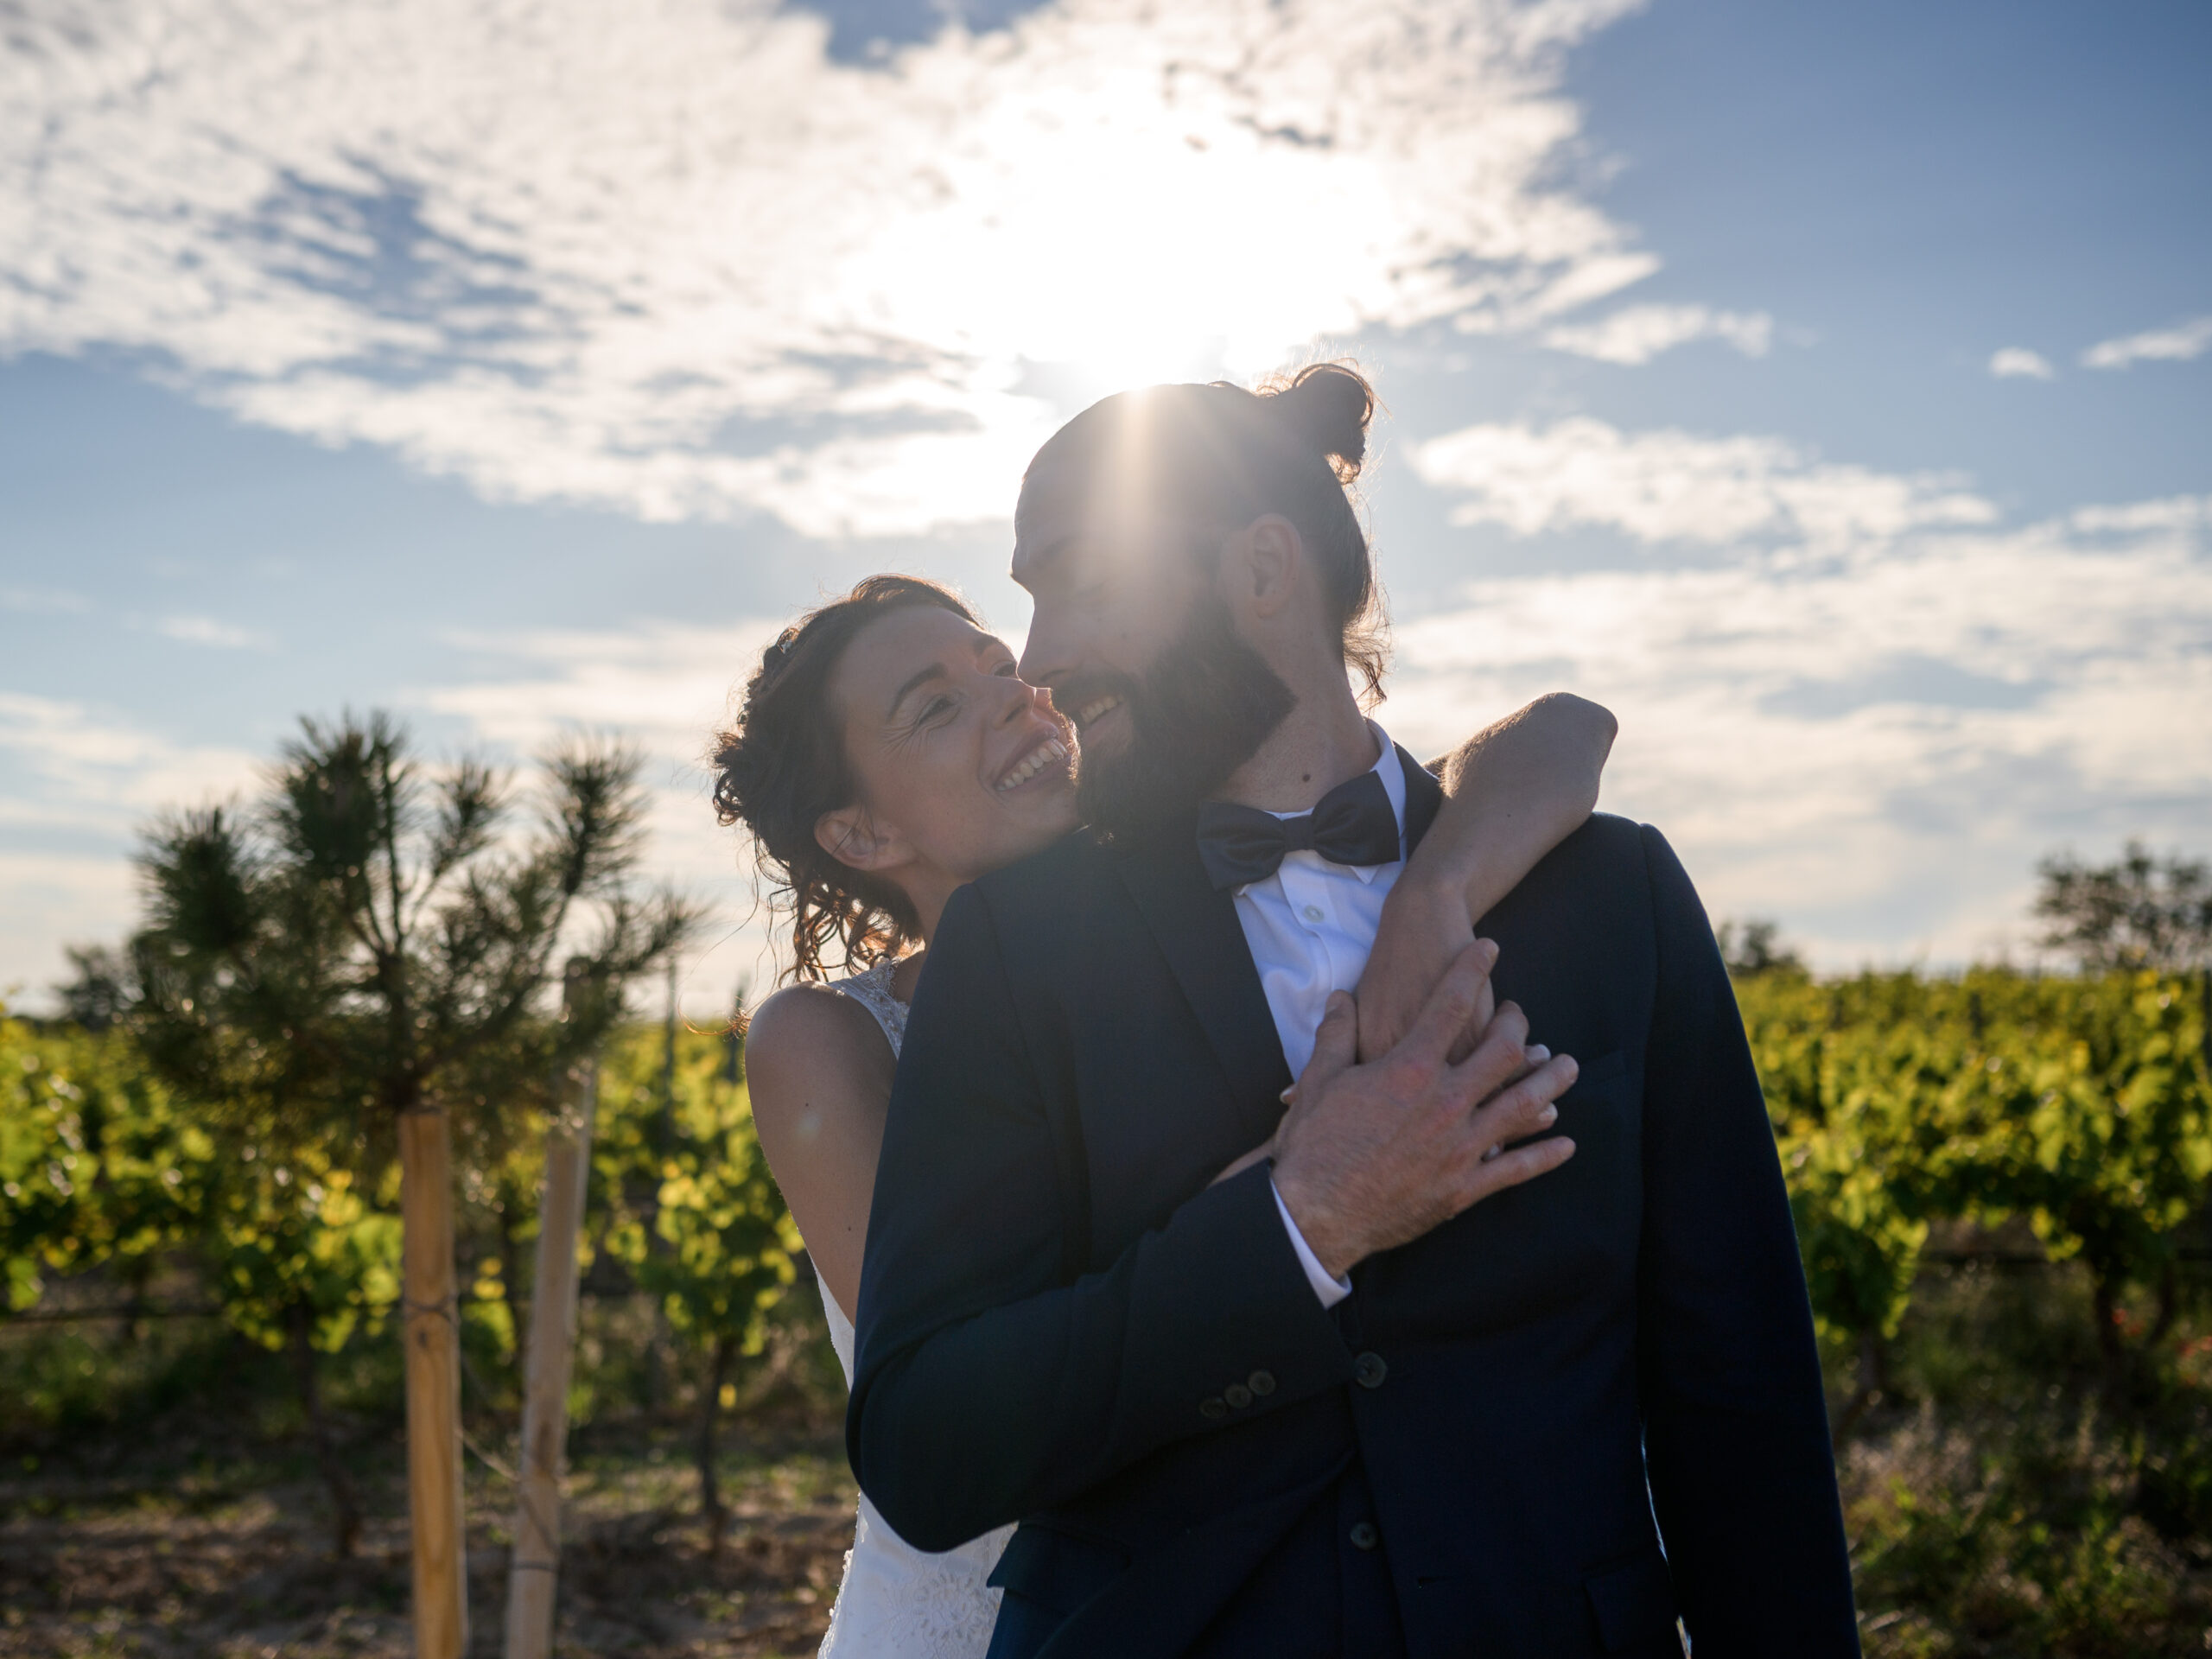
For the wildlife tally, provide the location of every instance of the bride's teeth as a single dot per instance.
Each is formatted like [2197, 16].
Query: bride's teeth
[1033, 763]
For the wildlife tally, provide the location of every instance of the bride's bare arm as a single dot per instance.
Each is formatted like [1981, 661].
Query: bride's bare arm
[1513, 791]
[819, 1073]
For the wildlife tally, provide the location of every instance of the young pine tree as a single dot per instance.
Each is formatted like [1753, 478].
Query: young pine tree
[334, 969]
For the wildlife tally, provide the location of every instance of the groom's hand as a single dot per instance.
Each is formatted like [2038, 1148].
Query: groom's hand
[1373, 1156]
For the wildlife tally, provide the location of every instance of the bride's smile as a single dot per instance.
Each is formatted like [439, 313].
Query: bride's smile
[958, 766]
[1051, 753]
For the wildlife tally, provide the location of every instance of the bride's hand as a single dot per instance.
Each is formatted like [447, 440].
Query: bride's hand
[1513, 793]
[1423, 931]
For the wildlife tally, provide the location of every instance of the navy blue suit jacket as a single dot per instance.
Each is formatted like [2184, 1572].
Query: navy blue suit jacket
[1062, 1323]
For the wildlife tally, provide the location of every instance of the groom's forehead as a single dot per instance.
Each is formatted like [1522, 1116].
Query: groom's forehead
[1052, 516]
[1052, 547]
[1061, 533]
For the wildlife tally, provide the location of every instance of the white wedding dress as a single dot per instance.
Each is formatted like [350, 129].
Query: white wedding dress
[898, 1602]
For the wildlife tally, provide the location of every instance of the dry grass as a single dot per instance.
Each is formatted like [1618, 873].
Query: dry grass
[2001, 1506]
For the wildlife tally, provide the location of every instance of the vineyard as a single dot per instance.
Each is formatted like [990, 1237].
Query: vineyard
[1999, 1181]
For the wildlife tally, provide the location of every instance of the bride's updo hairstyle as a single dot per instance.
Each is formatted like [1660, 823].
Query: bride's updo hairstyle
[1221, 457]
[782, 764]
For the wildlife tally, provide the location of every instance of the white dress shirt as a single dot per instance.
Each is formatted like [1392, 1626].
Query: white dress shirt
[1309, 926]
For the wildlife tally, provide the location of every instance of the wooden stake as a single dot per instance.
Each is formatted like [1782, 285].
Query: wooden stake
[534, 1566]
[432, 1338]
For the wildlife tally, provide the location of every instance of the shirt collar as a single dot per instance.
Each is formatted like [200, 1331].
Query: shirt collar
[1392, 771]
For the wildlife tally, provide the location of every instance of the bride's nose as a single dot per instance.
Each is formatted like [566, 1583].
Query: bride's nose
[1019, 699]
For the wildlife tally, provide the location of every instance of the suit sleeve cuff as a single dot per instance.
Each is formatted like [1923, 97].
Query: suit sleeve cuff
[1331, 1291]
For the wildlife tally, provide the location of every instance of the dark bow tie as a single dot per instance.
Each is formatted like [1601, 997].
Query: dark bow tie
[1353, 824]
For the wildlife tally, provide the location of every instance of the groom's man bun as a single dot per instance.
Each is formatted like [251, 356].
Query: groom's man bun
[1221, 457]
[1329, 405]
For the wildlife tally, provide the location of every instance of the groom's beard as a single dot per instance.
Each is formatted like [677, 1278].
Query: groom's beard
[1197, 715]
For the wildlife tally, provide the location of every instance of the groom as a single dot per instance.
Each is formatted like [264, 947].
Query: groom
[1323, 1407]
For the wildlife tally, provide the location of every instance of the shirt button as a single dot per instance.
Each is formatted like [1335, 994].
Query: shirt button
[1261, 1382]
[1363, 1535]
[1369, 1370]
[1213, 1410]
[1314, 913]
[1238, 1395]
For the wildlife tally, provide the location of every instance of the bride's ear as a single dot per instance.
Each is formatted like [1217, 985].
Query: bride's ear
[852, 837]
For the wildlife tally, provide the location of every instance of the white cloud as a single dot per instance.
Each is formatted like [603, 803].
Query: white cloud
[667, 687]
[77, 783]
[1876, 714]
[50, 900]
[1672, 485]
[1639, 332]
[206, 631]
[2174, 512]
[2175, 345]
[90, 770]
[666, 682]
[43, 601]
[676, 260]
[2019, 363]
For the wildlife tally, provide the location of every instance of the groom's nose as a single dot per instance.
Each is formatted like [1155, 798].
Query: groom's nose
[1038, 700]
[1047, 656]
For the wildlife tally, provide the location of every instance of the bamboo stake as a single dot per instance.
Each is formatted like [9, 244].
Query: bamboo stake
[433, 1339]
[534, 1566]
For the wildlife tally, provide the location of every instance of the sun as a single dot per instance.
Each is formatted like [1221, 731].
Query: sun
[1161, 244]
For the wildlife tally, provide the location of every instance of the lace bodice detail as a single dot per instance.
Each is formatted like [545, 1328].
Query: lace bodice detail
[872, 991]
[898, 1602]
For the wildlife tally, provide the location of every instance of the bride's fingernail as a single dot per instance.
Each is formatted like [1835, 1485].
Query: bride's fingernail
[1548, 1117]
[1536, 1053]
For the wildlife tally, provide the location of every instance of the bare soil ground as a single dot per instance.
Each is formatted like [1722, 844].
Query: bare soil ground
[172, 1548]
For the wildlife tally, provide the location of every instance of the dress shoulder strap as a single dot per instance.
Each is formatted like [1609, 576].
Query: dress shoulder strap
[872, 991]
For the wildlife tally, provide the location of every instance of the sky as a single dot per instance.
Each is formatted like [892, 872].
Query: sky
[1827, 390]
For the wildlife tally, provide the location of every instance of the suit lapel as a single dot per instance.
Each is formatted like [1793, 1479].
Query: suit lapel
[1424, 797]
[1196, 927]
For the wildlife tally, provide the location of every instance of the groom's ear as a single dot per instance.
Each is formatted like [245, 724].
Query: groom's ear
[1263, 566]
[851, 836]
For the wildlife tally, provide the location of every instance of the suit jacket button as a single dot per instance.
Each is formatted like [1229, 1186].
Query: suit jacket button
[1211, 1410]
[1237, 1395]
[1369, 1370]
[1363, 1535]
[1262, 1383]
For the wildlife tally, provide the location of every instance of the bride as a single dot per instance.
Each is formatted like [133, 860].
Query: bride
[885, 754]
